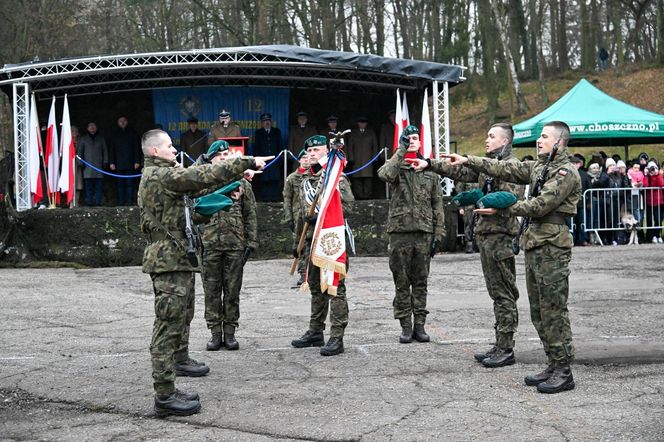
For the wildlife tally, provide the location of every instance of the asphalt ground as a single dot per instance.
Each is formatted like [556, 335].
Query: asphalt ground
[74, 360]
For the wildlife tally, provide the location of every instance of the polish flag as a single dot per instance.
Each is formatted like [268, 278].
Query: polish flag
[425, 128]
[328, 250]
[52, 152]
[66, 184]
[397, 122]
[34, 153]
[405, 118]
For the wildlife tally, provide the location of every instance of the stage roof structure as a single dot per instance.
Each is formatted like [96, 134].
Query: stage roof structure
[595, 119]
[276, 65]
[270, 66]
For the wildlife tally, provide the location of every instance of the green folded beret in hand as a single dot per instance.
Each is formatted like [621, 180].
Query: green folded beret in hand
[497, 200]
[467, 198]
[218, 200]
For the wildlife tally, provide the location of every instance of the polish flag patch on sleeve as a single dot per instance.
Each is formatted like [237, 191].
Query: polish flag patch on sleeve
[562, 172]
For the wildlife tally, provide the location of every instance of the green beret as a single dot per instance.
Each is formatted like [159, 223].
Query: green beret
[497, 200]
[410, 130]
[218, 200]
[467, 198]
[302, 153]
[316, 140]
[216, 147]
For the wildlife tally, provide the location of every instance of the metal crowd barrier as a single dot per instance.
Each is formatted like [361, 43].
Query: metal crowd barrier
[605, 208]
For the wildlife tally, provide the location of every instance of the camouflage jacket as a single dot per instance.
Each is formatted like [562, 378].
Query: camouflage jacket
[236, 228]
[558, 197]
[309, 178]
[500, 223]
[161, 192]
[416, 204]
[292, 206]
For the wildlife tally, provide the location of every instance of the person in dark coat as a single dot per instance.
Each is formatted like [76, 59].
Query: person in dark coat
[125, 159]
[93, 150]
[362, 146]
[267, 141]
[580, 234]
[193, 141]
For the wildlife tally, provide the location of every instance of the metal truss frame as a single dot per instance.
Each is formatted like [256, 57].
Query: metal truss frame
[441, 124]
[21, 108]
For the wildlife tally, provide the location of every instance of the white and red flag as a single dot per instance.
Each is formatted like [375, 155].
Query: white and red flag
[66, 183]
[52, 152]
[35, 153]
[425, 129]
[328, 249]
[401, 118]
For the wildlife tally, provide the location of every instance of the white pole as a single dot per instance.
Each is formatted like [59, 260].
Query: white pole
[387, 186]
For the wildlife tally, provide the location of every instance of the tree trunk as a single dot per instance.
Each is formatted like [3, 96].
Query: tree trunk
[521, 105]
[563, 57]
[487, 36]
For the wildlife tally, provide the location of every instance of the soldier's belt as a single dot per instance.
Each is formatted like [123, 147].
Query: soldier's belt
[554, 218]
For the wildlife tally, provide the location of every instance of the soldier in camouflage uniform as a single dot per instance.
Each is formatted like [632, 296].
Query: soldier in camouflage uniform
[548, 246]
[160, 200]
[494, 237]
[293, 210]
[322, 302]
[415, 224]
[228, 240]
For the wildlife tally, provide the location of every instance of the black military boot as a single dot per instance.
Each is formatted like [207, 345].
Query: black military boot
[482, 355]
[406, 333]
[560, 380]
[175, 405]
[229, 338]
[214, 343]
[419, 334]
[334, 346]
[533, 380]
[193, 396]
[309, 339]
[191, 368]
[500, 358]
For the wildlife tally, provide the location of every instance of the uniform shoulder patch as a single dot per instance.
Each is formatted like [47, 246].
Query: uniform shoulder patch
[562, 172]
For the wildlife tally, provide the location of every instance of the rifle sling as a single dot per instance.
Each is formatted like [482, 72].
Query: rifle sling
[163, 232]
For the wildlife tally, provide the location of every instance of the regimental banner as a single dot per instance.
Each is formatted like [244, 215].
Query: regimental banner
[172, 108]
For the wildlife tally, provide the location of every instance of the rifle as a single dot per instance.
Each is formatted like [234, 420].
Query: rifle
[534, 192]
[336, 142]
[192, 234]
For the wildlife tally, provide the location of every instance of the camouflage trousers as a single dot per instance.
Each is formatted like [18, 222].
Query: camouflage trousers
[410, 256]
[222, 281]
[321, 303]
[547, 280]
[498, 266]
[174, 310]
[303, 260]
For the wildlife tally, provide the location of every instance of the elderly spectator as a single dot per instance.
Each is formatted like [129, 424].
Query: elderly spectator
[93, 150]
[267, 141]
[125, 159]
[362, 146]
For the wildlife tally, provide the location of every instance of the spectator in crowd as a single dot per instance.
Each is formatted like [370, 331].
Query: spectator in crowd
[616, 158]
[597, 158]
[332, 127]
[643, 160]
[194, 140]
[362, 146]
[580, 235]
[93, 150]
[594, 172]
[386, 137]
[612, 201]
[636, 182]
[224, 128]
[125, 159]
[654, 212]
[267, 141]
[299, 133]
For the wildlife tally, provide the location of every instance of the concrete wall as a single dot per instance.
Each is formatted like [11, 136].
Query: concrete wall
[109, 236]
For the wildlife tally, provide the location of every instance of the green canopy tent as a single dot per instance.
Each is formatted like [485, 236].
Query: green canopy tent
[595, 119]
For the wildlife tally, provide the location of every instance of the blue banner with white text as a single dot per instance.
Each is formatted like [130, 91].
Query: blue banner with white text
[172, 108]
